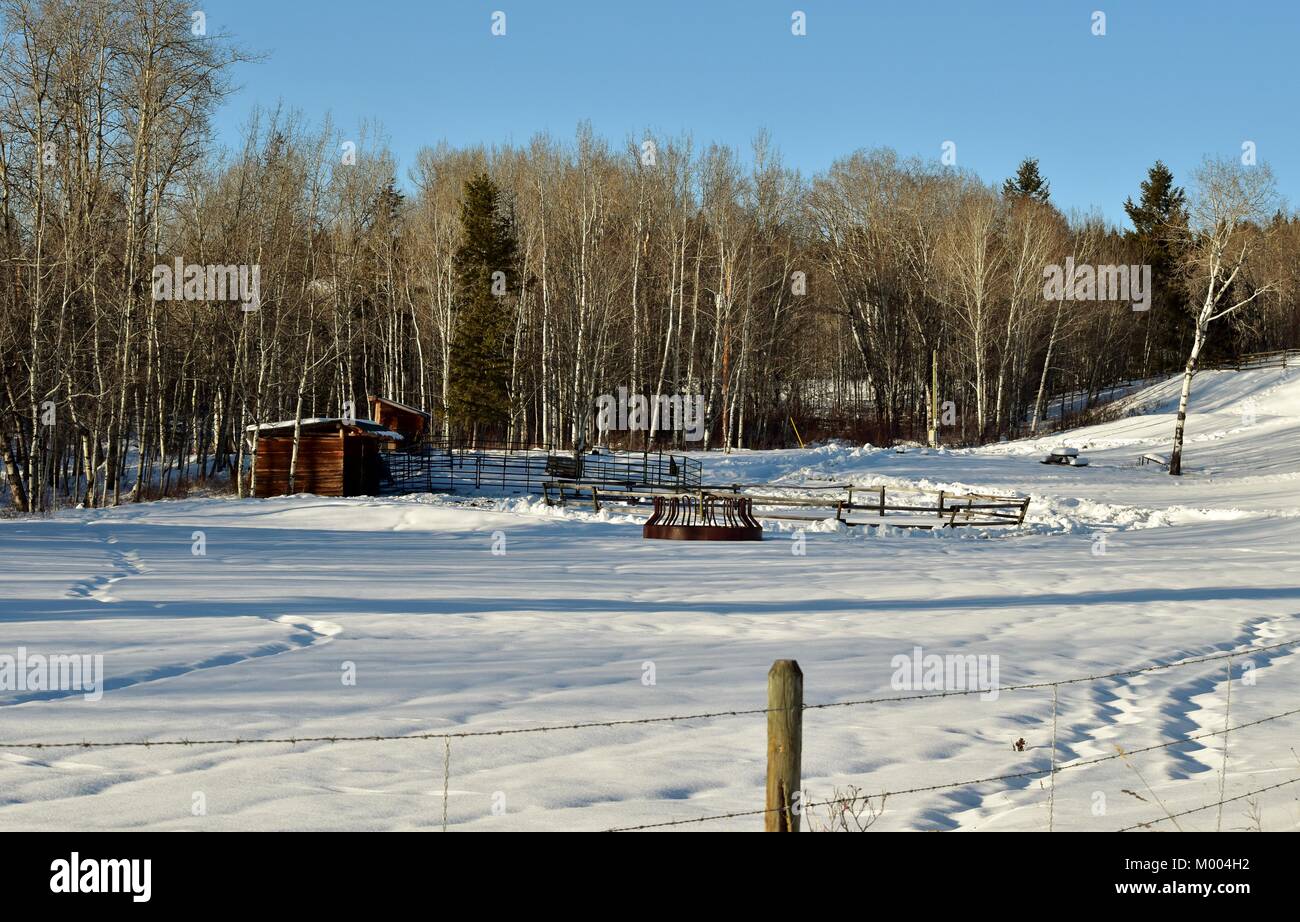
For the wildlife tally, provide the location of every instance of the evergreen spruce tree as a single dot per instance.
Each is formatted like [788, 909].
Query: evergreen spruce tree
[479, 385]
[1162, 211]
[1160, 228]
[1027, 183]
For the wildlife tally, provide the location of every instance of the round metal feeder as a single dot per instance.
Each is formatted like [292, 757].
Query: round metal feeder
[703, 518]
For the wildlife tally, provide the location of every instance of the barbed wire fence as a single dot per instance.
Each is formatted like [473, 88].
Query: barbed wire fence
[1054, 768]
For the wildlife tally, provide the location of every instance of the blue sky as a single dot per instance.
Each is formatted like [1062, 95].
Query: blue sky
[1001, 79]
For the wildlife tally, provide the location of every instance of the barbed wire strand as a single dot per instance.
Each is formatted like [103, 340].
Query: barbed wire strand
[380, 738]
[974, 781]
[1050, 684]
[1217, 803]
[631, 721]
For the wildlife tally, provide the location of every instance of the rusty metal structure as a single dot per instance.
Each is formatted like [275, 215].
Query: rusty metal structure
[703, 517]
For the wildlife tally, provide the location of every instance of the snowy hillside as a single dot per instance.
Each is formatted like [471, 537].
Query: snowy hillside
[1242, 453]
[1118, 567]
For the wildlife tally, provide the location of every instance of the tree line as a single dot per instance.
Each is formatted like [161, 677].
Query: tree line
[506, 288]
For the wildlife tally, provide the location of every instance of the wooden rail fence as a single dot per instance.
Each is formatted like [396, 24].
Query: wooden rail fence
[1279, 358]
[952, 510]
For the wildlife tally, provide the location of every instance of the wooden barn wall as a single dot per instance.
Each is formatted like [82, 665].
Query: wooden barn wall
[320, 467]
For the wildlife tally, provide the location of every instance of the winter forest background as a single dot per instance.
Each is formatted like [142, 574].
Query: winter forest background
[505, 288]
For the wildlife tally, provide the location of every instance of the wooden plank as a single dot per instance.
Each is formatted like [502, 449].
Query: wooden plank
[301, 476]
[304, 464]
[304, 453]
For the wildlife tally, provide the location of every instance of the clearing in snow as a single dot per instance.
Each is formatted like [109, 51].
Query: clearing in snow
[306, 617]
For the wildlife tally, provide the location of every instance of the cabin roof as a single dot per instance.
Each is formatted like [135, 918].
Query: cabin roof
[400, 406]
[367, 427]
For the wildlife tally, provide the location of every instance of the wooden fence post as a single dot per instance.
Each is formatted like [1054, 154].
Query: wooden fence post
[784, 744]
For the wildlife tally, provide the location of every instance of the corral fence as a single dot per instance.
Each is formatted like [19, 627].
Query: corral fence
[1082, 408]
[464, 467]
[784, 800]
[845, 503]
[1278, 358]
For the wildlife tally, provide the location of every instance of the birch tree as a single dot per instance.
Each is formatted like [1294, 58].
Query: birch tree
[1229, 203]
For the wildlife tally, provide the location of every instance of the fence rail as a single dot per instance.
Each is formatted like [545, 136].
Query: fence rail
[1278, 358]
[783, 706]
[951, 510]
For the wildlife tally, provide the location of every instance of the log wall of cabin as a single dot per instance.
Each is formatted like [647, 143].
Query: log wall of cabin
[320, 468]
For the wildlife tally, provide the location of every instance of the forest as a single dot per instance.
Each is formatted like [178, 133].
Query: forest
[505, 288]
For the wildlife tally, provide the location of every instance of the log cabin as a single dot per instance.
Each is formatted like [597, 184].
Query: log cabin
[412, 424]
[336, 457]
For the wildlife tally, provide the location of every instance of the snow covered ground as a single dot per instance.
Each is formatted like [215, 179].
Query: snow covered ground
[1117, 567]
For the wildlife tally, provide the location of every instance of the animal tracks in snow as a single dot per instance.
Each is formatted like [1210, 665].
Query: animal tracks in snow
[1134, 712]
[304, 633]
[122, 564]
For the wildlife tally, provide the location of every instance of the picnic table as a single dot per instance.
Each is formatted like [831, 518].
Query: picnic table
[1064, 454]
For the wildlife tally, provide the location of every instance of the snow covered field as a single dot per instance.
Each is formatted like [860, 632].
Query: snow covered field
[254, 638]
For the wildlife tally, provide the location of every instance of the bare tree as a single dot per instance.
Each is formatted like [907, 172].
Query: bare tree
[1229, 203]
[818, 305]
